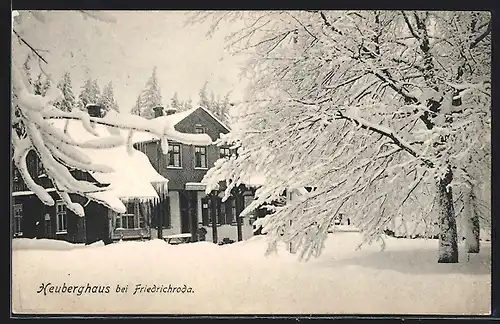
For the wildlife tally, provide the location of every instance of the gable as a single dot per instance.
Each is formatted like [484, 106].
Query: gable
[213, 127]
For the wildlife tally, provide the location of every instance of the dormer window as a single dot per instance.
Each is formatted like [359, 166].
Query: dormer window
[198, 129]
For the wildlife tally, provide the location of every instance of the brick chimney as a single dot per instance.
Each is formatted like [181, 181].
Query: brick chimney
[95, 110]
[158, 111]
[170, 111]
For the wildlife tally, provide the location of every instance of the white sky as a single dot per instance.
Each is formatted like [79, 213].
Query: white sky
[125, 53]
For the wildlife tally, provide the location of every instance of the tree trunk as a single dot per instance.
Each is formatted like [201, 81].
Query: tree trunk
[239, 209]
[471, 221]
[448, 247]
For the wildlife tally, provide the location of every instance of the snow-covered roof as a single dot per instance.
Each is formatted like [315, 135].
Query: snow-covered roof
[133, 176]
[173, 120]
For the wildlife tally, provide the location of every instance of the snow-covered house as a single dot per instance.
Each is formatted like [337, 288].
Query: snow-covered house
[134, 181]
[185, 166]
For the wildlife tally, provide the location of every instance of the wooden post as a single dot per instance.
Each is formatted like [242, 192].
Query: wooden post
[213, 214]
[159, 218]
[238, 197]
[192, 215]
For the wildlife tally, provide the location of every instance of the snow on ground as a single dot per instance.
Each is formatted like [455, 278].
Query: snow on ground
[238, 279]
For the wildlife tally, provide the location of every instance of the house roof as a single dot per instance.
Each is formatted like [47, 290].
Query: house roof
[133, 176]
[173, 120]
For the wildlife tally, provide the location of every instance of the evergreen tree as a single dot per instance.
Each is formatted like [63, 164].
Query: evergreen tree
[41, 84]
[219, 107]
[204, 100]
[175, 103]
[66, 88]
[136, 110]
[27, 69]
[96, 92]
[89, 94]
[150, 96]
[186, 105]
[107, 100]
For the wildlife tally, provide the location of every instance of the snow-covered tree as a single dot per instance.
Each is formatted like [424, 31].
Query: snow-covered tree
[150, 97]
[55, 149]
[364, 106]
[41, 84]
[68, 101]
[89, 93]
[136, 110]
[175, 103]
[219, 107]
[107, 99]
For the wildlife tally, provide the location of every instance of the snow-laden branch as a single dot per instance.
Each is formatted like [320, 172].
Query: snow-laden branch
[57, 151]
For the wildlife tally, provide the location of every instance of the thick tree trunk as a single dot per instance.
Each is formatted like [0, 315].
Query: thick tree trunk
[448, 247]
[471, 221]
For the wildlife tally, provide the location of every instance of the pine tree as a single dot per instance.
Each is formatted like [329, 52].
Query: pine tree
[89, 94]
[150, 96]
[27, 69]
[204, 101]
[41, 84]
[175, 103]
[213, 103]
[107, 100]
[136, 110]
[96, 92]
[66, 88]
[186, 105]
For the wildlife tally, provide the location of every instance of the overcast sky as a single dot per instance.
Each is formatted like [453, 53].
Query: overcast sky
[126, 51]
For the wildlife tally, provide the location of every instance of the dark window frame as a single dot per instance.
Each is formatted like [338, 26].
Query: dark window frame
[61, 217]
[225, 152]
[200, 156]
[173, 150]
[18, 218]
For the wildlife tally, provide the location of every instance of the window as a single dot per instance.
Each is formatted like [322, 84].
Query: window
[16, 174]
[61, 217]
[40, 171]
[18, 216]
[224, 152]
[198, 129]
[174, 155]
[127, 220]
[200, 157]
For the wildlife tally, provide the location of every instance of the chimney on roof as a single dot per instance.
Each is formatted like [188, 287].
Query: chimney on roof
[95, 110]
[170, 111]
[158, 111]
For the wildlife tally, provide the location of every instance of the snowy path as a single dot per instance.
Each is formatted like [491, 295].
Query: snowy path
[237, 278]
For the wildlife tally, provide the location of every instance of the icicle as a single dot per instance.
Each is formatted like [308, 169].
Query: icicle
[164, 144]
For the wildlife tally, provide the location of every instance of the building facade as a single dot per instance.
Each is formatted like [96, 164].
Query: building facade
[185, 166]
[134, 181]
